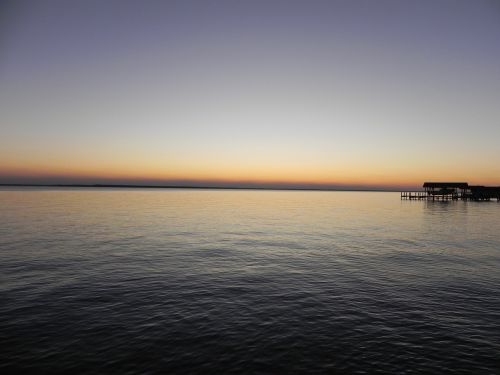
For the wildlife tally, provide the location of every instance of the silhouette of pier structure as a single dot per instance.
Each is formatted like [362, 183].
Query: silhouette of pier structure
[452, 191]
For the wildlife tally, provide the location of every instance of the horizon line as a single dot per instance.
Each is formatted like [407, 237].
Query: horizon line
[208, 187]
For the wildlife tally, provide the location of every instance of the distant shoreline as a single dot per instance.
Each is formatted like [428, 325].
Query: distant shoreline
[193, 187]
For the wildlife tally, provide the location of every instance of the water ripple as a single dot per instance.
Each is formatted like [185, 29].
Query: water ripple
[235, 282]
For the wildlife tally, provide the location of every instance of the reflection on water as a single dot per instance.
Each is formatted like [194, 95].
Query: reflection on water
[251, 282]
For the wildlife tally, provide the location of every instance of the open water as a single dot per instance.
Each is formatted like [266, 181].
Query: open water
[246, 282]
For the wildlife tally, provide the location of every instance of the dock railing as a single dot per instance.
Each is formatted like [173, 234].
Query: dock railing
[430, 195]
[414, 195]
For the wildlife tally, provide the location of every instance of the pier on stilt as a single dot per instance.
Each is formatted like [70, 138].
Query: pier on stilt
[452, 191]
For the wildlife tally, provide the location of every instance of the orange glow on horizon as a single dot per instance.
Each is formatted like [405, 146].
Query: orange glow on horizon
[243, 176]
[270, 168]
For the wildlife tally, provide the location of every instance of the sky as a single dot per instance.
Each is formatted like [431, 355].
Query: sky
[312, 93]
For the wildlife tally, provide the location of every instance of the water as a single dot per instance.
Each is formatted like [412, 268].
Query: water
[247, 282]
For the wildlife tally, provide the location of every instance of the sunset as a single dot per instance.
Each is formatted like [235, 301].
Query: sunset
[359, 94]
[250, 187]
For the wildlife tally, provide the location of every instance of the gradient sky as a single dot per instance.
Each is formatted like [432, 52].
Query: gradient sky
[286, 93]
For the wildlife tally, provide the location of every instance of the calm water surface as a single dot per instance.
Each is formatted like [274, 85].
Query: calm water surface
[247, 282]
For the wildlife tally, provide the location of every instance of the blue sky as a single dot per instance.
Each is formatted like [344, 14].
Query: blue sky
[335, 93]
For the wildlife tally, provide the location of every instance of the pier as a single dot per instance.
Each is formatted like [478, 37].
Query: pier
[452, 191]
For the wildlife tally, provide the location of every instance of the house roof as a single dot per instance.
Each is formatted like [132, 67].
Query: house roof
[485, 188]
[444, 185]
